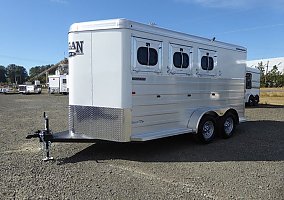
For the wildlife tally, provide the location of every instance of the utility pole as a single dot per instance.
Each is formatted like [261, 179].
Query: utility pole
[265, 79]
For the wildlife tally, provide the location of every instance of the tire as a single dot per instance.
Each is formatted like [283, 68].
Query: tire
[227, 125]
[256, 100]
[251, 100]
[206, 129]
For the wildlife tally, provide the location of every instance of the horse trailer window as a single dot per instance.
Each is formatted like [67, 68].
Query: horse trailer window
[207, 63]
[64, 81]
[248, 80]
[181, 60]
[147, 56]
[177, 59]
[153, 57]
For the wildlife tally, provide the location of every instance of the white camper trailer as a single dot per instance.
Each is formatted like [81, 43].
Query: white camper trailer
[29, 88]
[252, 86]
[53, 83]
[134, 82]
[58, 84]
[63, 85]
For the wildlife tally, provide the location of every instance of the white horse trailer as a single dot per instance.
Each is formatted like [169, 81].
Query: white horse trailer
[252, 86]
[134, 82]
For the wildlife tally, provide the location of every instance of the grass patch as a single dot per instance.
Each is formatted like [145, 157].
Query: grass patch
[274, 96]
[272, 100]
[271, 92]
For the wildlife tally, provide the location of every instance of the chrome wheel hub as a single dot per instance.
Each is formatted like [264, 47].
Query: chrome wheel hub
[228, 125]
[208, 129]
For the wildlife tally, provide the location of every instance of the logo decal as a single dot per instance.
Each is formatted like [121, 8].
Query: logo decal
[138, 122]
[76, 48]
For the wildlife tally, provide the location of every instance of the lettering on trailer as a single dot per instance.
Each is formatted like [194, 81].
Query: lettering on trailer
[76, 48]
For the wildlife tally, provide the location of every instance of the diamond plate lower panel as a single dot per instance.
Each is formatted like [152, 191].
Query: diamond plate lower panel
[97, 122]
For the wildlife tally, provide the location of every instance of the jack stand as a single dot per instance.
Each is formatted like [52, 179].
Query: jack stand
[46, 149]
[43, 135]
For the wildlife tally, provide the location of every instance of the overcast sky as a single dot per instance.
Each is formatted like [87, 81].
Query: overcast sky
[34, 32]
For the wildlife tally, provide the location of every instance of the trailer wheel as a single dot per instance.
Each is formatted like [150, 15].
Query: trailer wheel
[227, 125]
[256, 100]
[251, 100]
[206, 129]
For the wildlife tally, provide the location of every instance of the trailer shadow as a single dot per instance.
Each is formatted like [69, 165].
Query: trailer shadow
[265, 106]
[253, 141]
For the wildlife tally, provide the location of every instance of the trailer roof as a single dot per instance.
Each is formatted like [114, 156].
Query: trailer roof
[128, 24]
[252, 69]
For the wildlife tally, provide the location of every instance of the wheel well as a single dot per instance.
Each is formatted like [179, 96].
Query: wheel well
[216, 116]
[211, 113]
[247, 96]
[235, 113]
[195, 118]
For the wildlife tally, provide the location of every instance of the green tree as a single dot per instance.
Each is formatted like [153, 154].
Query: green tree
[35, 71]
[281, 79]
[262, 75]
[16, 74]
[274, 77]
[3, 74]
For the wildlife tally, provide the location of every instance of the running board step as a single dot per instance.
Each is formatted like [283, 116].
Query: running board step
[159, 134]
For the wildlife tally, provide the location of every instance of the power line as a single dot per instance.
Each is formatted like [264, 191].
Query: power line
[24, 59]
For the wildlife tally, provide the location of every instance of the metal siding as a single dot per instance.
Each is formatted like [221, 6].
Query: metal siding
[174, 107]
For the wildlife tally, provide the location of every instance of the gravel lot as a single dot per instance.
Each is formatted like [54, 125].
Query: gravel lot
[250, 165]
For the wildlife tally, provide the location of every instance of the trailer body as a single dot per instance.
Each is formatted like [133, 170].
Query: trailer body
[137, 82]
[58, 84]
[53, 83]
[252, 91]
[63, 86]
[28, 88]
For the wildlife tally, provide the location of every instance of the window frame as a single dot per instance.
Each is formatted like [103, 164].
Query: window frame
[175, 48]
[248, 80]
[138, 42]
[208, 53]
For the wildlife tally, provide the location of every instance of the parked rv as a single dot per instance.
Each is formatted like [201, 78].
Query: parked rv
[252, 86]
[136, 82]
[8, 90]
[3, 90]
[58, 84]
[29, 88]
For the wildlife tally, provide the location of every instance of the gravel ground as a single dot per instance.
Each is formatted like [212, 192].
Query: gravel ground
[250, 165]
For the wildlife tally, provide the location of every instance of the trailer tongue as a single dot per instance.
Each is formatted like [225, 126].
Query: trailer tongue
[47, 137]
